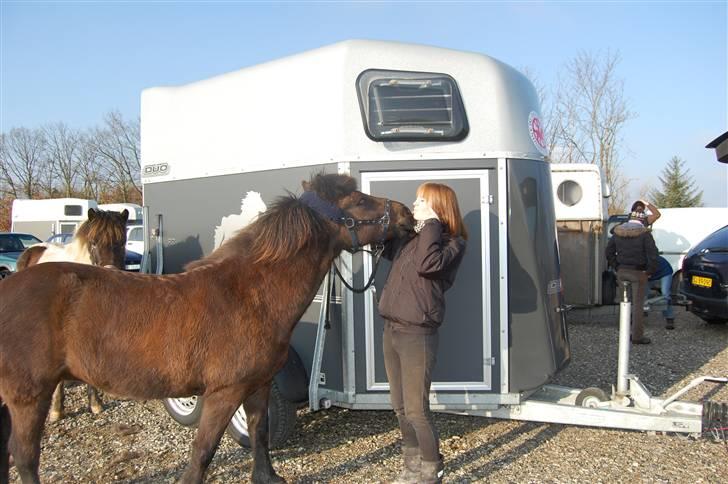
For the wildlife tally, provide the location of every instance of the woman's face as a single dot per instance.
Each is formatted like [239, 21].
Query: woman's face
[421, 208]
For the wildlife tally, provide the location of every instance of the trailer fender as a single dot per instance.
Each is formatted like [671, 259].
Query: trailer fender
[292, 380]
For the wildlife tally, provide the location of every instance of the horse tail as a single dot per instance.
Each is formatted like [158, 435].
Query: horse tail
[4, 438]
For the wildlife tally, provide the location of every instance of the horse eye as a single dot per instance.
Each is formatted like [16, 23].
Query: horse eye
[361, 201]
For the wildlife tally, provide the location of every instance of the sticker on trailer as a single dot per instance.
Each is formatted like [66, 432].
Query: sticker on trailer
[535, 129]
[251, 206]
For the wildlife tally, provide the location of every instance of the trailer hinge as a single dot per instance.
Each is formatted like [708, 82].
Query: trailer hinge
[491, 199]
[489, 361]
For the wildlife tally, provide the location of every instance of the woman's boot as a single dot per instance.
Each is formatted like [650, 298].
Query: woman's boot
[431, 472]
[411, 472]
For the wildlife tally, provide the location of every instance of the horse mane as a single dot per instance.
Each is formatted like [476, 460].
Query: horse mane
[286, 228]
[106, 228]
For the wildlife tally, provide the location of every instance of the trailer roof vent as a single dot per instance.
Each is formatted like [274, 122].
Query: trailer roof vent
[411, 106]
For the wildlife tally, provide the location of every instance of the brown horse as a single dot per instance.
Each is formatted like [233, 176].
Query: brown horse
[221, 329]
[100, 240]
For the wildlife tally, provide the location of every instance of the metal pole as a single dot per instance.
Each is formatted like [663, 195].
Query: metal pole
[314, 403]
[625, 313]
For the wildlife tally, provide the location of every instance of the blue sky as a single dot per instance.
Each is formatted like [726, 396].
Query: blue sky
[76, 61]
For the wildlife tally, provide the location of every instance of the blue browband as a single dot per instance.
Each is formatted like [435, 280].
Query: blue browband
[323, 207]
[336, 215]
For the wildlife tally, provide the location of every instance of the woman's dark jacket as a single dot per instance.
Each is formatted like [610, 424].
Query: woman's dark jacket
[423, 268]
[632, 247]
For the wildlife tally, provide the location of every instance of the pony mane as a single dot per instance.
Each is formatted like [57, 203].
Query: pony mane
[286, 228]
[106, 228]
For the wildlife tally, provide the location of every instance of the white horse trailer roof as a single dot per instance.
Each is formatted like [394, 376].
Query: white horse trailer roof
[135, 211]
[304, 110]
[51, 209]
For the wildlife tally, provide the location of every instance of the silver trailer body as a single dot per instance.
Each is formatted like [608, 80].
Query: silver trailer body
[216, 152]
[211, 147]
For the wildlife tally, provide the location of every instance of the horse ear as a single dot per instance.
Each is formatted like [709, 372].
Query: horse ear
[91, 213]
[125, 215]
[306, 186]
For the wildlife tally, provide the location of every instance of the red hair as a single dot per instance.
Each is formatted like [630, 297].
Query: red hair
[443, 201]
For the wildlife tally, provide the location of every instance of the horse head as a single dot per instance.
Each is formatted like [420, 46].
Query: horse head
[363, 219]
[104, 235]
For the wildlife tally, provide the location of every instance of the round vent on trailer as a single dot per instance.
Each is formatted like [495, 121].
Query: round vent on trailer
[569, 193]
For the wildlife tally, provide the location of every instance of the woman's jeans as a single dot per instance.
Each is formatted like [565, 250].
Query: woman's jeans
[409, 360]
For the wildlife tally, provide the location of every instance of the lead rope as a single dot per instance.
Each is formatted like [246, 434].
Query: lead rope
[377, 255]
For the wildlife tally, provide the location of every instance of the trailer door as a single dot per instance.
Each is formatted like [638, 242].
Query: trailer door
[464, 359]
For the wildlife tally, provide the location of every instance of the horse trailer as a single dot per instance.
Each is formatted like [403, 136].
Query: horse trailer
[217, 152]
[48, 217]
[580, 204]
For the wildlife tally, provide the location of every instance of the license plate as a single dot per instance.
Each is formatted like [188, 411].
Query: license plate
[132, 267]
[702, 281]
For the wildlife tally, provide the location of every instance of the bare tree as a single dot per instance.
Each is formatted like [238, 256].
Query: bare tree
[90, 168]
[63, 145]
[586, 119]
[118, 144]
[23, 157]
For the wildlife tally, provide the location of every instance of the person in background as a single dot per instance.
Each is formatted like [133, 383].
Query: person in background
[413, 307]
[664, 271]
[633, 254]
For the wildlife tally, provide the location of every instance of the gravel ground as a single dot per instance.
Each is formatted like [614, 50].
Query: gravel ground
[138, 442]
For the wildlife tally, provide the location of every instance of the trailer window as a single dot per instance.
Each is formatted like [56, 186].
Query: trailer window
[411, 106]
[72, 210]
[569, 193]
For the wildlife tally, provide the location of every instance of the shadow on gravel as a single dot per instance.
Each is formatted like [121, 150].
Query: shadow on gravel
[486, 453]
[672, 355]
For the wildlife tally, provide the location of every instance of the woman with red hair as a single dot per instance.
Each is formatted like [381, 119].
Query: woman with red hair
[413, 307]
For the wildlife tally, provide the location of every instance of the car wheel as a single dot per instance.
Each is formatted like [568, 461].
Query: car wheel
[185, 410]
[281, 421]
[4, 273]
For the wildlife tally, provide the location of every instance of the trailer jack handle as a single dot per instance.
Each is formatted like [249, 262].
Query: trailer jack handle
[695, 382]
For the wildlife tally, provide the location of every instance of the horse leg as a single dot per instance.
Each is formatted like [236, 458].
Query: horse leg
[4, 438]
[256, 412]
[218, 409]
[27, 429]
[57, 403]
[94, 401]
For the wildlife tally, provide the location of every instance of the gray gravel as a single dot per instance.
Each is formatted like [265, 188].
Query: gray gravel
[138, 441]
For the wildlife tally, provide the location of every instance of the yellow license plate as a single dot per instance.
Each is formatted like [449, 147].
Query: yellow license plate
[702, 281]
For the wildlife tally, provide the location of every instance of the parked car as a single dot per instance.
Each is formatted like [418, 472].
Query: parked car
[12, 244]
[132, 259]
[60, 239]
[705, 277]
[135, 238]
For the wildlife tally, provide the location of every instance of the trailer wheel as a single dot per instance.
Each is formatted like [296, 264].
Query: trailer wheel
[185, 410]
[591, 397]
[281, 420]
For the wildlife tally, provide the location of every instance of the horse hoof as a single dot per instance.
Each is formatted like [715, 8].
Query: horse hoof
[96, 409]
[55, 416]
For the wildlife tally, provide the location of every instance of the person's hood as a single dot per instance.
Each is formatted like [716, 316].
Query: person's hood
[633, 228]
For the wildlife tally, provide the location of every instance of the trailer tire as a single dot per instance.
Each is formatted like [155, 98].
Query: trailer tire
[185, 410]
[591, 397]
[281, 421]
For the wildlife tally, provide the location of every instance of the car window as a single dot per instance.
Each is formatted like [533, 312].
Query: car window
[14, 243]
[136, 235]
[27, 240]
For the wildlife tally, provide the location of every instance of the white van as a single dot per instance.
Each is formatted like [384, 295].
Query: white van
[678, 229]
